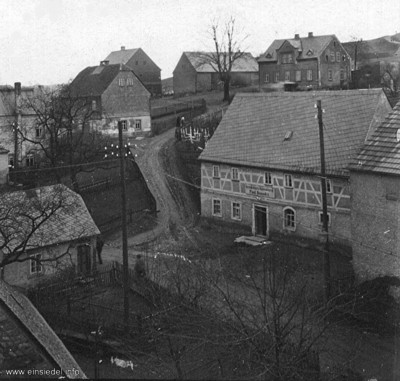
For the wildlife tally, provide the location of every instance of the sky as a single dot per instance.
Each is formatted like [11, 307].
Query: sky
[50, 41]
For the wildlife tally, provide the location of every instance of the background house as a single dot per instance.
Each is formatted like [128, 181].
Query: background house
[375, 214]
[15, 114]
[116, 94]
[261, 167]
[194, 74]
[52, 227]
[311, 62]
[28, 344]
[141, 64]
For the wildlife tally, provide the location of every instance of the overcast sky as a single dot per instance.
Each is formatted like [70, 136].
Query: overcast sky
[51, 41]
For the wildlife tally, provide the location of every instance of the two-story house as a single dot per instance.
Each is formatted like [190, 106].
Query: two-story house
[261, 168]
[115, 94]
[313, 62]
[194, 73]
[141, 64]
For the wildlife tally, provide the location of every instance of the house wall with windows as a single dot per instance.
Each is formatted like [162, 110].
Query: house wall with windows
[80, 255]
[290, 201]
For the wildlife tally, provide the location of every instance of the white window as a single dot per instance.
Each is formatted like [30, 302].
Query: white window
[328, 186]
[94, 105]
[289, 219]
[129, 82]
[235, 174]
[236, 211]
[298, 75]
[320, 218]
[268, 178]
[267, 78]
[309, 75]
[38, 131]
[216, 207]
[138, 124]
[287, 58]
[277, 77]
[35, 265]
[287, 75]
[337, 56]
[121, 82]
[330, 75]
[124, 125]
[333, 57]
[29, 160]
[288, 181]
[216, 171]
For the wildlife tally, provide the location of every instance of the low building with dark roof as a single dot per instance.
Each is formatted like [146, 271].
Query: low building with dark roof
[194, 73]
[115, 94]
[375, 189]
[44, 231]
[141, 64]
[261, 168]
[312, 62]
[29, 348]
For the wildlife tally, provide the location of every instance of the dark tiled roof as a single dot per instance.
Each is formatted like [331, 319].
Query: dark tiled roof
[252, 132]
[121, 56]
[381, 153]
[23, 330]
[94, 80]
[69, 222]
[309, 47]
[246, 63]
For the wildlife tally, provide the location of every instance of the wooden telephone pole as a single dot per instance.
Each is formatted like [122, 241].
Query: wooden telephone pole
[326, 259]
[122, 154]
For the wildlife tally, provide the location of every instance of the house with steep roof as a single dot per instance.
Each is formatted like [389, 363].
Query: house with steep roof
[141, 64]
[312, 62]
[261, 168]
[29, 348]
[194, 73]
[43, 231]
[115, 94]
[375, 189]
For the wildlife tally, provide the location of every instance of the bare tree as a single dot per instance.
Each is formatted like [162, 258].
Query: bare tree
[228, 49]
[26, 218]
[62, 131]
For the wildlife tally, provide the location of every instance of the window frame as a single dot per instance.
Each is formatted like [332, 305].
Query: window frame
[138, 124]
[35, 266]
[309, 75]
[268, 175]
[121, 82]
[292, 221]
[214, 202]
[320, 214]
[124, 124]
[38, 132]
[298, 76]
[337, 56]
[30, 160]
[333, 56]
[330, 75]
[235, 205]
[328, 183]
[216, 174]
[234, 170]
[277, 77]
[266, 80]
[286, 177]
[287, 75]
[129, 81]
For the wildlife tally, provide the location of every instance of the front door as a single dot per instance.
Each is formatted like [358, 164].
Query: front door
[84, 260]
[260, 220]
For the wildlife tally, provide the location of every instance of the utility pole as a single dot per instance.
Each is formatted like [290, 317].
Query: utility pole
[122, 154]
[325, 236]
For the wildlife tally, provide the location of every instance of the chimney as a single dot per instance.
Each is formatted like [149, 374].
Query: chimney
[310, 34]
[297, 36]
[122, 47]
[104, 63]
[17, 88]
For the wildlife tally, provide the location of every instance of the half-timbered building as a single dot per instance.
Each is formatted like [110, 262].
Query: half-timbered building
[261, 168]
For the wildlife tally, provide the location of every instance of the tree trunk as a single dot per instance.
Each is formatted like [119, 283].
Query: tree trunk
[226, 90]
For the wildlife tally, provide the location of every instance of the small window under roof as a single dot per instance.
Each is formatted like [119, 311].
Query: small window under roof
[310, 52]
[398, 135]
[288, 135]
[268, 55]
